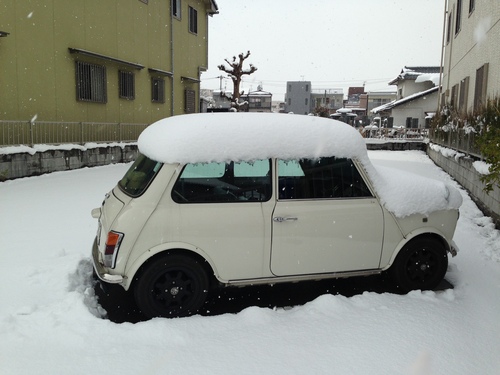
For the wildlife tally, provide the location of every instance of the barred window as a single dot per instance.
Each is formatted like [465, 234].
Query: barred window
[157, 90]
[190, 97]
[90, 82]
[126, 85]
[193, 20]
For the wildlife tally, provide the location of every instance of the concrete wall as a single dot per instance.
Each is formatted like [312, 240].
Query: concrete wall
[25, 164]
[462, 170]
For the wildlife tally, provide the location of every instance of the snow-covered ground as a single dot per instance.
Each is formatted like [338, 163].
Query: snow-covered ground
[50, 321]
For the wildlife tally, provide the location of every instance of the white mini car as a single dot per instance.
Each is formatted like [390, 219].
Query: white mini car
[249, 198]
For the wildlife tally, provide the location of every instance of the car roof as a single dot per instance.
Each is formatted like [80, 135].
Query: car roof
[217, 137]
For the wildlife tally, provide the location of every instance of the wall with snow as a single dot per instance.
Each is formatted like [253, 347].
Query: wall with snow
[22, 161]
[465, 171]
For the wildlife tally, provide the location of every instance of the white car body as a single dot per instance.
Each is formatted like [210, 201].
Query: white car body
[268, 239]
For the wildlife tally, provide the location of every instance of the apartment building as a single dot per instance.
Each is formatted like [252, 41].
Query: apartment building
[471, 57]
[132, 61]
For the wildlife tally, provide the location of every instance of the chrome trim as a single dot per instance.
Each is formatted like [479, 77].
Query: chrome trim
[100, 270]
[296, 278]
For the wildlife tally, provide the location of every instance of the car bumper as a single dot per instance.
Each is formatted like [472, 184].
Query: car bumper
[101, 271]
[453, 249]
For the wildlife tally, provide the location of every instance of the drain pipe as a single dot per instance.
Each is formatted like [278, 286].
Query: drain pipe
[442, 58]
[172, 82]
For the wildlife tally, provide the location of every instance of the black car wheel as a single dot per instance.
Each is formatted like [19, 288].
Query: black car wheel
[421, 264]
[171, 286]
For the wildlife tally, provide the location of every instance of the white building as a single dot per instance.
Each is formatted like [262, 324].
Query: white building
[471, 63]
[417, 97]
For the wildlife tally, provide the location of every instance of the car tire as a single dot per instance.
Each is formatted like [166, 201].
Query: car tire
[171, 286]
[421, 264]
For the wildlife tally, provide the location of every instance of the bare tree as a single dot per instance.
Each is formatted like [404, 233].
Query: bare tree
[236, 72]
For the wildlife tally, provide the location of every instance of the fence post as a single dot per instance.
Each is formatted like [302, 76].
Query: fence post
[81, 134]
[31, 133]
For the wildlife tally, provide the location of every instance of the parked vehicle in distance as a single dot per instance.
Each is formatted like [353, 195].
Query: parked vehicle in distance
[234, 199]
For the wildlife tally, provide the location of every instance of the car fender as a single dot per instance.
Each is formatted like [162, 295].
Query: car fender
[132, 270]
[411, 236]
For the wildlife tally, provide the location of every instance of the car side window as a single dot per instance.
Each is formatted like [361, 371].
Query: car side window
[224, 182]
[324, 178]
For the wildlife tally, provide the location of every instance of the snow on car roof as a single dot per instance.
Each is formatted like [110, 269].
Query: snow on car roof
[209, 137]
[219, 137]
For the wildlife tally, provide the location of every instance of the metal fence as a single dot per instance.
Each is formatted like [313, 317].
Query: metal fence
[14, 133]
[459, 140]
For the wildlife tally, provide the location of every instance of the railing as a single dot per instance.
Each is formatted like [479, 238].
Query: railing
[14, 133]
[459, 140]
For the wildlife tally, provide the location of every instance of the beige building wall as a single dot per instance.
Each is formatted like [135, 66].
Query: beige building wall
[37, 70]
[469, 47]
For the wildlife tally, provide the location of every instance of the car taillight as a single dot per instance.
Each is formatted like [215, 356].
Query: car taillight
[112, 246]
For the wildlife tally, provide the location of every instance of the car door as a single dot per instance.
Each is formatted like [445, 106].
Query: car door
[326, 219]
[224, 209]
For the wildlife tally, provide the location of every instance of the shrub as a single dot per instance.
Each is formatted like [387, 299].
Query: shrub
[488, 141]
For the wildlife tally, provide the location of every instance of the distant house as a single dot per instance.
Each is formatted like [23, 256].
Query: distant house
[258, 101]
[416, 98]
[332, 99]
[471, 64]
[102, 61]
[374, 99]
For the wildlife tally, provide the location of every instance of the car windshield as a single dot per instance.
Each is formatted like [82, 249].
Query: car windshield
[139, 176]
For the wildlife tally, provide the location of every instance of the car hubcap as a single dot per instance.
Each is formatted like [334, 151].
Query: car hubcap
[421, 265]
[173, 290]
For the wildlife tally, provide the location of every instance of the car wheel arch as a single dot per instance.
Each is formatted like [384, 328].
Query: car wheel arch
[151, 255]
[414, 236]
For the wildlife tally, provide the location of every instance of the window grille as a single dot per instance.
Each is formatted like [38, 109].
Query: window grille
[126, 85]
[190, 101]
[90, 82]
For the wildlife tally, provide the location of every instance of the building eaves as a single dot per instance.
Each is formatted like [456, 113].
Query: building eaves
[412, 72]
[396, 103]
[214, 9]
[105, 57]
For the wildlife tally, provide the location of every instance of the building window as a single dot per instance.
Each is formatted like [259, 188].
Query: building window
[307, 88]
[458, 19]
[306, 102]
[90, 82]
[193, 20]
[190, 101]
[464, 93]
[176, 8]
[289, 101]
[157, 90]
[481, 86]
[448, 29]
[472, 5]
[454, 96]
[126, 85]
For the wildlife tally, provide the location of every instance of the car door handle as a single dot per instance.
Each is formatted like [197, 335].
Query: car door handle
[280, 219]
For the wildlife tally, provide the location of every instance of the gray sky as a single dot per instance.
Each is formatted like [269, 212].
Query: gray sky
[332, 43]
